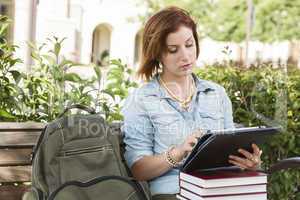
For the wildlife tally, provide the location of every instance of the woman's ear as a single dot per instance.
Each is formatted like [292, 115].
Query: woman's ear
[160, 69]
[161, 65]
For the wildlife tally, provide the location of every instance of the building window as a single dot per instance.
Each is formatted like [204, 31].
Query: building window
[101, 44]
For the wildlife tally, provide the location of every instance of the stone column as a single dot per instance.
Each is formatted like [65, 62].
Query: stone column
[24, 29]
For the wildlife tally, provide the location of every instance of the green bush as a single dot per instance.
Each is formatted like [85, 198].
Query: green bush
[49, 88]
[264, 95]
[10, 77]
[118, 82]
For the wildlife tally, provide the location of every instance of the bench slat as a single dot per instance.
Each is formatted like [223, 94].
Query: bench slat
[11, 192]
[18, 139]
[21, 125]
[13, 157]
[15, 174]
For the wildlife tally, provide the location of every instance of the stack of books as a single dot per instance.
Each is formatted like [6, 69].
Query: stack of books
[226, 184]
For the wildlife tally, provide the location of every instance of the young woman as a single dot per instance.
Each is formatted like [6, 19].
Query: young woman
[164, 118]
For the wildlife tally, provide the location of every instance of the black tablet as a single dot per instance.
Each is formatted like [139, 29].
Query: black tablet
[213, 149]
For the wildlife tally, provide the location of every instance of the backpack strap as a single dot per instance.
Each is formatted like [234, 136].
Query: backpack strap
[78, 106]
[133, 183]
[38, 144]
[143, 185]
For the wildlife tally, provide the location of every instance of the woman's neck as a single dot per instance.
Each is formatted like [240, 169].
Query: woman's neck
[178, 85]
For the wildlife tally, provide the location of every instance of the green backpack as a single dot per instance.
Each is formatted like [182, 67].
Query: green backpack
[78, 157]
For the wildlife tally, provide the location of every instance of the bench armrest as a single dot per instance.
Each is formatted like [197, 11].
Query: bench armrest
[288, 163]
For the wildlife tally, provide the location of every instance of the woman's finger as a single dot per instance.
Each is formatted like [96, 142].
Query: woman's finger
[194, 141]
[240, 165]
[199, 133]
[256, 150]
[189, 149]
[247, 154]
[243, 161]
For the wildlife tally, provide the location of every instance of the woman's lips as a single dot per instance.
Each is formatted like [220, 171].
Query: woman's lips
[186, 67]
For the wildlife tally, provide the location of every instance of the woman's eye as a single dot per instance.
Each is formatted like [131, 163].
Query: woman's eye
[189, 45]
[172, 50]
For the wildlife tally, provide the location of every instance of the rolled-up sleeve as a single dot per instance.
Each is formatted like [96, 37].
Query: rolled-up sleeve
[137, 129]
[227, 108]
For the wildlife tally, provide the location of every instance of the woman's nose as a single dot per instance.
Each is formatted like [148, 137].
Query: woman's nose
[184, 55]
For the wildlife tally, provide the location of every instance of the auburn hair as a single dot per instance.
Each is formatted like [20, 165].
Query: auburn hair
[155, 33]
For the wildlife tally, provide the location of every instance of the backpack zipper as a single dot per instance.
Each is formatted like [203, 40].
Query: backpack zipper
[85, 150]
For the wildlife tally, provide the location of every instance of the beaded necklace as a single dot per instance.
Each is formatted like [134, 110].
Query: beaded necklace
[185, 102]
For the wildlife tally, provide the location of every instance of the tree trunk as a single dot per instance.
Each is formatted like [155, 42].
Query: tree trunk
[240, 51]
[294, 53]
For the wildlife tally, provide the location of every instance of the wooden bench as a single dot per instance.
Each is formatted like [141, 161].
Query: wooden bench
[16, 143]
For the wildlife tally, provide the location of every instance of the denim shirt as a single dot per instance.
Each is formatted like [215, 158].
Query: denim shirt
[153, 121]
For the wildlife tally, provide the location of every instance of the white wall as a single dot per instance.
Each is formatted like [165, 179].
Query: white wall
[211, 51]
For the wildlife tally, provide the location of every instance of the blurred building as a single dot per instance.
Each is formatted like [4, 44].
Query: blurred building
[98, 29]
[93, 28]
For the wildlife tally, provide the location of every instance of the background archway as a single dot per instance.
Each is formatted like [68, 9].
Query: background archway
[101, 44]
[7, 8]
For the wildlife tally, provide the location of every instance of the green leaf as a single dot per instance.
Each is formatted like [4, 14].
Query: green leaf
[2, 40]
[5, 114]
[57, 48]
[3, 28]
[63, 39]
[109, 92]
[66, 63]
[16, 75]
[72, 77]
[3, 18]
[98, 72]
[1, 52]
[36, 56]
[49, 58]
[116, 62]
[12, 62]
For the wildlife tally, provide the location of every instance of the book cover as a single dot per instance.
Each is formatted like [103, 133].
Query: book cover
[228, 190]
[223, 178]
[184, 194]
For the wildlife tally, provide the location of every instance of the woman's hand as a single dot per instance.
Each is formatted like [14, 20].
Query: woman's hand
[250, 161]
[181, 151]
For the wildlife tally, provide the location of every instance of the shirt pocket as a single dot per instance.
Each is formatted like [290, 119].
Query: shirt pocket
[167, 127]
[212, 117]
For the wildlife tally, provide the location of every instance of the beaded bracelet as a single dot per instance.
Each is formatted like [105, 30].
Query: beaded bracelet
[169, 158]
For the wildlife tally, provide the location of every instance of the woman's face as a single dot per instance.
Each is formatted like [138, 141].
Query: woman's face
[181, 54]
